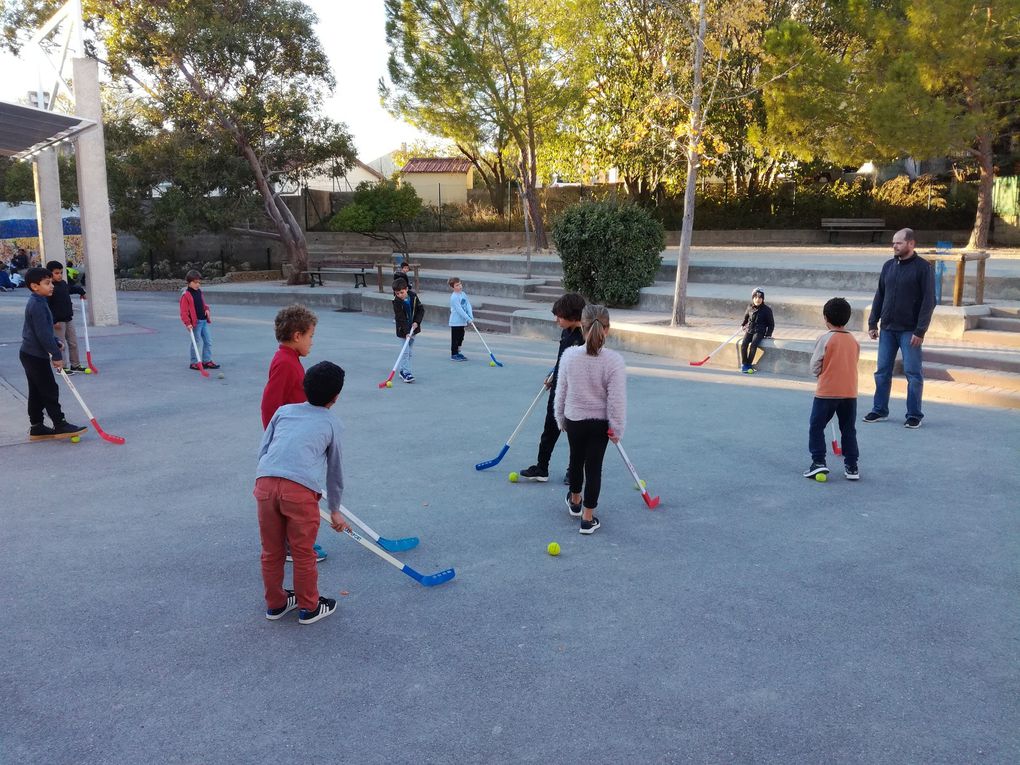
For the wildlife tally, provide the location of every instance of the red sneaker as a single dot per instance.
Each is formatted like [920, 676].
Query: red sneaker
[196, 367]
[211, 365]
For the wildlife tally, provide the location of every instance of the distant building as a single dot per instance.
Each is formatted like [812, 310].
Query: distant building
[359, 173]
[439, 180]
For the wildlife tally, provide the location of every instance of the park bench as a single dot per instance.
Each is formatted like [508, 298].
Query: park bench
[873, 226]
[943, 254]
[381, 267]
[357, 264]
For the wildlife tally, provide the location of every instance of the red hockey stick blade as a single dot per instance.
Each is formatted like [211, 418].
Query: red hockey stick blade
[88, 360]
[835, 448]
[652, 502]
[104, 435]
[699, 363]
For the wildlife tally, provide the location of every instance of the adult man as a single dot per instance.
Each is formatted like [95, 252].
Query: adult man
[904, 302]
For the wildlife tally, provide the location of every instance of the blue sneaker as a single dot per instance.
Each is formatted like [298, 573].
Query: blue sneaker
[406, 377]
[320, 555]
[272, 614]
[744, 368]
[458, 357]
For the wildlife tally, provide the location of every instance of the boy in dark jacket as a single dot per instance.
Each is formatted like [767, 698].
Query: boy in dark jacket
[63, 314]
[567, 311]
[408, 313]
[39, 350]
[758, 324]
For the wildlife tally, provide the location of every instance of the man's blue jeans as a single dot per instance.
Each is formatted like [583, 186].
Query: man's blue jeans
[889, 342]
[203, 340]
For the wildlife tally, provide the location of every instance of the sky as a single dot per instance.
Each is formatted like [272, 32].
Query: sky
[353, 34]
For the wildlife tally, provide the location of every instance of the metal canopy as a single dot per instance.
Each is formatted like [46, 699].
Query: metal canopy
[25, 131]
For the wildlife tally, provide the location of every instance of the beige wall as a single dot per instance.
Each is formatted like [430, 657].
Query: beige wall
[454, 186]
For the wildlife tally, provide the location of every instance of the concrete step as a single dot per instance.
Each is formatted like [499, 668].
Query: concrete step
[972, 376]
[1008, 312]
[988, 359]
[542, 297]
[499, 308]
[484, 314]
[994, 337]
[547, 289]
[492, 325]
[1000, 323]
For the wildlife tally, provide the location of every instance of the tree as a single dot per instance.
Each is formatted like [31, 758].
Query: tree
[479, 72]
[380, 211]
[922, 79]
[248, 75]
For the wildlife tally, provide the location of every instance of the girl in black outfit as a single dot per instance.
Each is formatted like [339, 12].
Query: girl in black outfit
[758, 324]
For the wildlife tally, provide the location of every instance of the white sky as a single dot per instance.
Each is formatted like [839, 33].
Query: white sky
[353, 34]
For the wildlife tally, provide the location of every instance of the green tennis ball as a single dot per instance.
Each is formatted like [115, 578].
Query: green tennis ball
[492, 363]
[513, 477]
[88, 370]
[642, 486]
[389, 383]
[821, 477]
[553, 548]
[75, 439]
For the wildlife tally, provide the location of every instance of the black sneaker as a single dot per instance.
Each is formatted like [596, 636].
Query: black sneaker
[875, 417]
[67, 429]
[590, 527]
[272, 614]
[68, 371]
[325, 608]
[40, 433]
[77, 367]
[533, 473]
[913, 423]
[815, 469]
[851, 472]
[575, 510]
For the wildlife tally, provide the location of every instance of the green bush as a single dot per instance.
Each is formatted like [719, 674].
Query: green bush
[609, 250]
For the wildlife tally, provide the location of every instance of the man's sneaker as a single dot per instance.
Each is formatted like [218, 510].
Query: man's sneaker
[851, 472]
[320, 555]
[534, 474]
[590, 527]
[210, 365]
[196, 367]
[874, 417]
[67, 429]
[815, 469]
[574, 510]
[913, 423]
[325, 608]
[40, 433]
[272, 614]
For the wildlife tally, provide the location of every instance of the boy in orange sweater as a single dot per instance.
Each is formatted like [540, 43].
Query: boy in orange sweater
[834, 363]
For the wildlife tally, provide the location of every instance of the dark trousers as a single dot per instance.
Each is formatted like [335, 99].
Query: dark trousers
[588, 440]
[43, 393]
[550, 434]
[749, 347]
[845, 410]
[456, 339]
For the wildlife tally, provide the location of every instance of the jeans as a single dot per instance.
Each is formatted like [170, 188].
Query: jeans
[822, 410]
[405, 360]
[288, 514]
[550, 434]
[588, 441]
[203, 339]
[889, 342]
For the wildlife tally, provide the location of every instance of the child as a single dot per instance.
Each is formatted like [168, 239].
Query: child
[301, 442]
[591, 399]
[834, 363]
[408, 313]
[403, 271]
[39, 349]
[63, 314]
[195, 315]
[758, 324]
[460, 316]
[295, 328]
[567, 311]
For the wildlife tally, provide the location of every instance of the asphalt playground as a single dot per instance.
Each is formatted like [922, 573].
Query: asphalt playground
[753, 617]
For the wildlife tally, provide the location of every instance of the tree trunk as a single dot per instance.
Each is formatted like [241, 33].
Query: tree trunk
[693, 158]
[983, 221]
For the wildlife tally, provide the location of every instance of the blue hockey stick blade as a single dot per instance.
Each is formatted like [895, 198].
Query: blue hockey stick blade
[397, 545]
[495, 461]
[430, 580]
[495, 361]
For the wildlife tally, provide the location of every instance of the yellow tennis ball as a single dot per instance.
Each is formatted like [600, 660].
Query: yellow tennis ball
[389, 383]
[492, 363]
[553, 548]
[821, 477]
[75, 439]
[513, 477]
[88, 370]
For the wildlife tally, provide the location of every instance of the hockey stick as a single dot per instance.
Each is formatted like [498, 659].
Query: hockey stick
[102, 433]
[652, 502]
[397, 362]
[835, 443]
[506, 447]
[194, 344]
[393, 545]
[429, 580]
[721, 346]
[85, 326]
[495, 361]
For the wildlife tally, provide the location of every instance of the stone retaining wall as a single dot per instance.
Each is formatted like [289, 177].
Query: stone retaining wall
[171, 285]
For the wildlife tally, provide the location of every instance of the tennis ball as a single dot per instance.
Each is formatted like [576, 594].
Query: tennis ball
[821, 477]
[389, 383]
[553, 548]
[220, 376]
[88, 370]
[75, 439]
[492, 363]
[513, 477]
[642, 486]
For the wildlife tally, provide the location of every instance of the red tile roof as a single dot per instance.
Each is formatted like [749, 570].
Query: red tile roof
[436, 165]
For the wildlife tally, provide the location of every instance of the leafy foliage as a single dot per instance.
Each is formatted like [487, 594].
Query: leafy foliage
[380, 211]
[609, 251]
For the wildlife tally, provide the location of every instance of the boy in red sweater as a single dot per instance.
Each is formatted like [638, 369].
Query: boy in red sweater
[195, 315]
[295, 329]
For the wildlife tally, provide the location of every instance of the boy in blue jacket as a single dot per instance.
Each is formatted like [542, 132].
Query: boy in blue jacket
[39, 350]
[460, 316]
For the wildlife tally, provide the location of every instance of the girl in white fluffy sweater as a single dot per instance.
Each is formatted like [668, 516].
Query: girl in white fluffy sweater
[591, 400]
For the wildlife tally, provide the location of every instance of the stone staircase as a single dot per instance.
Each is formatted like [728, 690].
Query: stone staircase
[493, 317]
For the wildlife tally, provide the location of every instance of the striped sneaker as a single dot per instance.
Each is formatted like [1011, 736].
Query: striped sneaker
[325, 608]
[272, 614]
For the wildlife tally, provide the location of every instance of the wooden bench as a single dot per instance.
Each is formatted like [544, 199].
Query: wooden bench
[357, 264]
[416, 267]
[873, 226]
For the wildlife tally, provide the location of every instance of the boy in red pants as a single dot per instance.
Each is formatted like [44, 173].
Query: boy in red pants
[301, 442]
